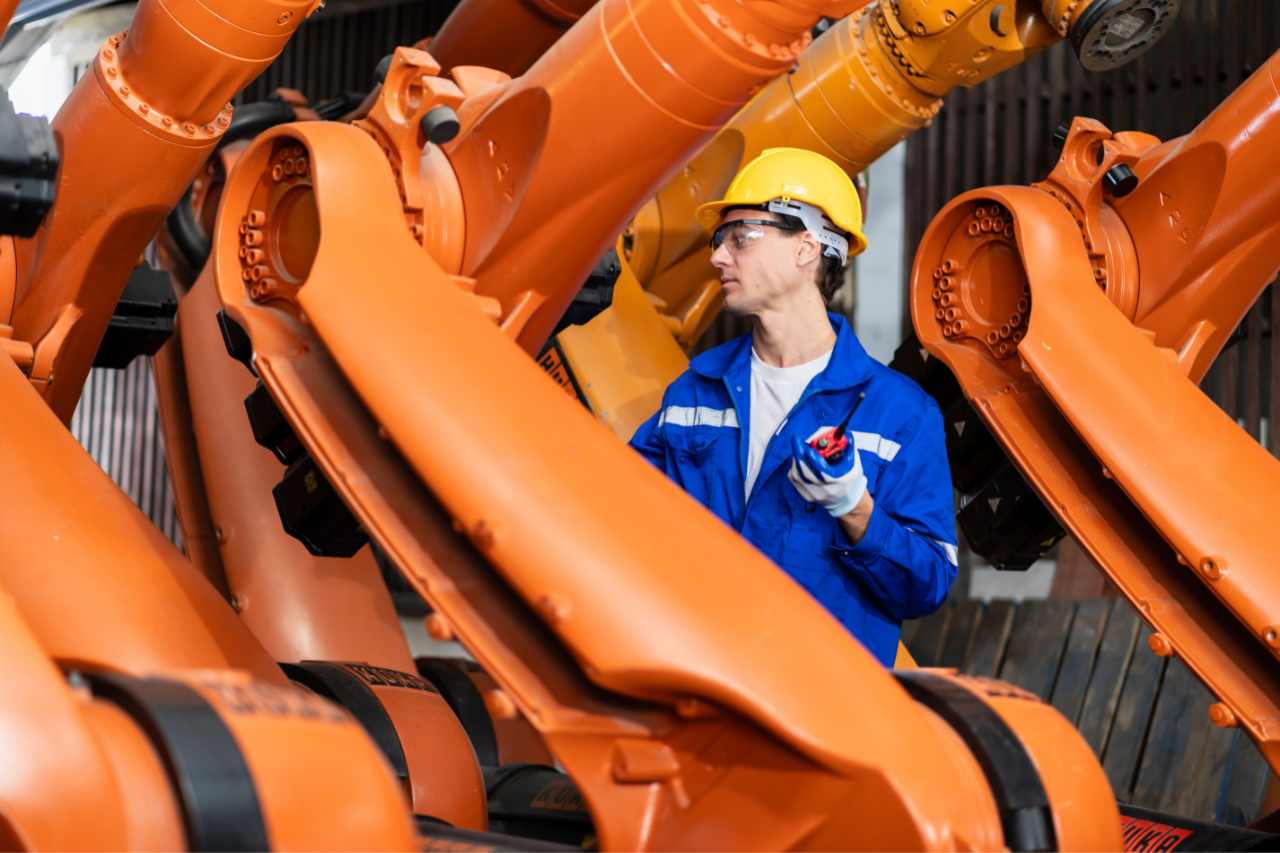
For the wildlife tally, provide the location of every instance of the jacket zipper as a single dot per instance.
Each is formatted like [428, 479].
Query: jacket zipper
[745, 438]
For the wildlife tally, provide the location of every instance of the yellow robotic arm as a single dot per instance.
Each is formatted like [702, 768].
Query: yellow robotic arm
[864, 85]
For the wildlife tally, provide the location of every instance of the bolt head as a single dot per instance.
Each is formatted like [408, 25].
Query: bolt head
[440, 124]
[1222, 716]
[438, 628]
[1120, 180]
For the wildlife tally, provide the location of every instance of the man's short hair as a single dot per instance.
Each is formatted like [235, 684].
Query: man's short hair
[830, 269]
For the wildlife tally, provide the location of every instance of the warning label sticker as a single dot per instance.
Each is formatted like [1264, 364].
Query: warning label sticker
[1148, 835]
[552, 360]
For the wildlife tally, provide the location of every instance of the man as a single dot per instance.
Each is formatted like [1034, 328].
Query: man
[870, 532]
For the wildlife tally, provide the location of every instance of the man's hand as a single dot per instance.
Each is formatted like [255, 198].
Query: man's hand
[838, 486]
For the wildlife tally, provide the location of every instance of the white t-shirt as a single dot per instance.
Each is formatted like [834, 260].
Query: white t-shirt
[774, 392]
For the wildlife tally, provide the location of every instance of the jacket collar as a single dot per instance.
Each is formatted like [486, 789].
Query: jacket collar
[850, 365]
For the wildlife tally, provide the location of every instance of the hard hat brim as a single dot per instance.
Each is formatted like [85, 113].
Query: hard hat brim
[708, 215]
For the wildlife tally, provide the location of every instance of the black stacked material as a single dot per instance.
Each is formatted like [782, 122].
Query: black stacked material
[28, 170]
[142, 321]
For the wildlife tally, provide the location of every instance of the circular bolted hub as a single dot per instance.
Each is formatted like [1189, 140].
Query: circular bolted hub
[280, 230]
[1112, 33]
[980, 288]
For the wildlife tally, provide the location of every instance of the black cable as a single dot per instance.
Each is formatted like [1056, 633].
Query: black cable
[251, 119]
[187, 233]
[336, 107]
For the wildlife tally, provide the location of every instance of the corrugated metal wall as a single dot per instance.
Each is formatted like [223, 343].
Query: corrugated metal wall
[1000, 133]
[117, 422]
[337, 48]
[335, 51]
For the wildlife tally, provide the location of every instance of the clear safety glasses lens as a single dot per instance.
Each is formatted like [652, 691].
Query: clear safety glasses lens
[742, 232]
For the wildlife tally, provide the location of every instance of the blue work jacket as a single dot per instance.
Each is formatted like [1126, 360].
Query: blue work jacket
[904, 564]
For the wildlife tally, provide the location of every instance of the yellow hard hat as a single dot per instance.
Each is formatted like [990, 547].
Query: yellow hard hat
[797, 175]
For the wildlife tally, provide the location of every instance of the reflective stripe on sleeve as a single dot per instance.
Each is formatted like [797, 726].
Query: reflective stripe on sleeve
[952, 552]
[877, 444]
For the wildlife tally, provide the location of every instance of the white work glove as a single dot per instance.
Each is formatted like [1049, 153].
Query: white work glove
[838, 486]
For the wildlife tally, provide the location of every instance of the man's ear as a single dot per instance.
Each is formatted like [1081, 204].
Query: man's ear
[808, 249]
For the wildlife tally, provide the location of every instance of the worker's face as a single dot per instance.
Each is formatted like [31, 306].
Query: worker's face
[762, 268]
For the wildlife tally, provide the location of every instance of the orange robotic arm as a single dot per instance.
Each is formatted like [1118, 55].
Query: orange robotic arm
[638, 671]
[106, 630]
[863, 86]
[559, 198]
[1078, 317]
[186, 730]
[156, 100]
[179, 760]
[540, 541]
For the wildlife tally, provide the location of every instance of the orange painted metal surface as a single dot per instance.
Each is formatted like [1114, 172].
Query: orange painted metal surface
[299, 606]
[7, 8]
[151, 810]
[1073, 780]
[191, 504]
[1205, 223]
[90, 812]
[429, 191]
[162, 612]
[296, 746]
[505, 35]
[518, 741]
[1035, 298]
[444, 776]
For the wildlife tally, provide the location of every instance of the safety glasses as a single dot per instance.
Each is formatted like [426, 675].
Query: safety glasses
[741, 233]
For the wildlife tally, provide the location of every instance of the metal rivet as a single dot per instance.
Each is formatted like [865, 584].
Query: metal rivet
[1222, 716]
[499, 704]
[438, 628]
